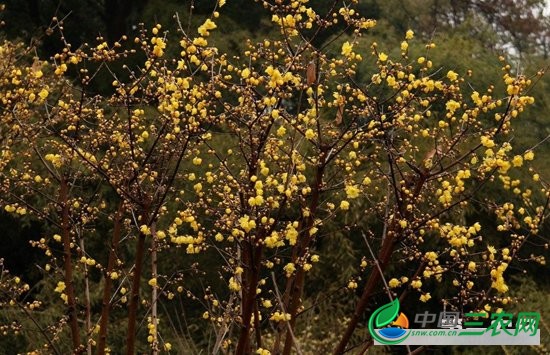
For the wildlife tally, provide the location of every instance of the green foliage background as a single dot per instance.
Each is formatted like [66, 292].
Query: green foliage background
[473, 42]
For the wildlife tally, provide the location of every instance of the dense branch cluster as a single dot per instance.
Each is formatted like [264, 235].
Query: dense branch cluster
[213, 179]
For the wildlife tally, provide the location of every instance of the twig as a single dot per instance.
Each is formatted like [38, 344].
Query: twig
[381, 273]
[377, 266]
[281, 304]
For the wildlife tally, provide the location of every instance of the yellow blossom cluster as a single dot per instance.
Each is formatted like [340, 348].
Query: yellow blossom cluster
[258, 161]
[458, 235]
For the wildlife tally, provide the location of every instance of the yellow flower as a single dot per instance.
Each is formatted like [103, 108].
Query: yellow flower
[234, 285]
[245, 73]
[431, 256]
[416, 284]
[347, 49]
[529, 155]
[452, 106]
[451, 75]
[368, 23]
[477, 226]
[487, 142]
[409, 34]
[246, 224]
[275, 77]
[344, 205]
[152, 282]
[280, 317]
[262, 351]
[425, 297]
[310, 134]
[289, 269]
[60, 287]
[472, 266]
[517, 161]
[393, 283]
[291, 234]
[197, 187]
[383, 57]
[352, 191]
[221, 3]
[201, 42]
[43, 94]
[160, 45]
[256, 201]
[206, 27]
[61, 69]
[499, 285]
[145, 229]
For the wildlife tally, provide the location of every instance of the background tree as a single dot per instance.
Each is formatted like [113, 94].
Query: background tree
[265, 187]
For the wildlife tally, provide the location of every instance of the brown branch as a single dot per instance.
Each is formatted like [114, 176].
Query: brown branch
[252, 257]
[68, 266]
[295, 285]
[88, 314]
[154, 293]
[106, 303]
[386, 250]
[136, 282]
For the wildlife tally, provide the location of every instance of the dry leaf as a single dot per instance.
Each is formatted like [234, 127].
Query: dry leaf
[311, 73]
[339, 114]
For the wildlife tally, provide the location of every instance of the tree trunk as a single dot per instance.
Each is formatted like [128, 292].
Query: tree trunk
[136, 282]
[68, 266]
[107, 289]
[252, 257]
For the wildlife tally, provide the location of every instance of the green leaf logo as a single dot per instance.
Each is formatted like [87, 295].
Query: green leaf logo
[383, 316]
[386, 314]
